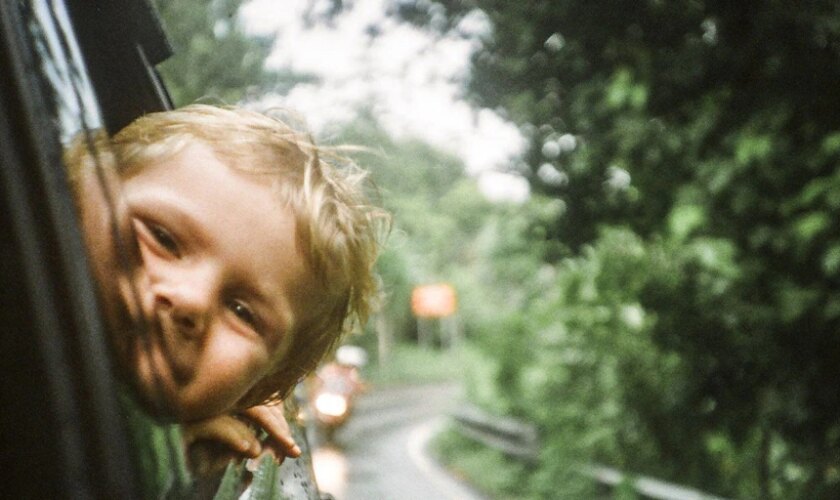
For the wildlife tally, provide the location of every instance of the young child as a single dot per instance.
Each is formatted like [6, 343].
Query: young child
[238, 250]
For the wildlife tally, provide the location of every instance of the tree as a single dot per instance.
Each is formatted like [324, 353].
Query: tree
[214, 58]
[435, 210]
[709, 120]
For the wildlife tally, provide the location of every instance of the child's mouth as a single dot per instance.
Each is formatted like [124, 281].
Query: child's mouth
[160, 374]
[177, 358]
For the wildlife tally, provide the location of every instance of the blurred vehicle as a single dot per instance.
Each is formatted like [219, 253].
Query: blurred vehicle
[334, 389]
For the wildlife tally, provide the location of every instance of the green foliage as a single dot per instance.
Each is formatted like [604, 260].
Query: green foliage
[214, 58]
[600, 369]
[437, 213]
[671, 309]
[699, 341]
[411, 364]
[397, 281]
[630, 353]
[488, 469]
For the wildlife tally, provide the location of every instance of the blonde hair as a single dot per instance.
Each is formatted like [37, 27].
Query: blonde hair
[337, 227]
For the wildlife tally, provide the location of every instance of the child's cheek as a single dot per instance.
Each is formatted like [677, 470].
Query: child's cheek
[97, 220]
[224, 379]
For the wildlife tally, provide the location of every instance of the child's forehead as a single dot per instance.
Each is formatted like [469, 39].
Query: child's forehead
[197, 158]
[284, 159]
[257, 153]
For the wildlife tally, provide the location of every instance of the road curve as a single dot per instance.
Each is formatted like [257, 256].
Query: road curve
[382, 452]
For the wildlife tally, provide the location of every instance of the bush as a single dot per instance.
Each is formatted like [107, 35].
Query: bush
[616, 362]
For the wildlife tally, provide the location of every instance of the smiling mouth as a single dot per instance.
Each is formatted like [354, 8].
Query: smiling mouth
[175, 356]
[159, 374]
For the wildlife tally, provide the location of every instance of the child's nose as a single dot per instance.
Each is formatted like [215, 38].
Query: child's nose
[187, 319]
[188, 308]
[184, 315]
[187, 299]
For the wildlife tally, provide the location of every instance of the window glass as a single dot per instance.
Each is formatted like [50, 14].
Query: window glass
[62, 65]
[78, 122]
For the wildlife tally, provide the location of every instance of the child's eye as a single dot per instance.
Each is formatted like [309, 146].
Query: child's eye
[243, 312]
[163, 238]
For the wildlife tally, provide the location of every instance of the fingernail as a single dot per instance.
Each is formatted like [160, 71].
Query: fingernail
[296, 451]
[249, 446]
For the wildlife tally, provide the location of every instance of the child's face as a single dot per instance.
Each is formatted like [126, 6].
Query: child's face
[220, 279]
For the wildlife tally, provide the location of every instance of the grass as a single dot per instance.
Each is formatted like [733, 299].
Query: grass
[487, 470]
[411, 364]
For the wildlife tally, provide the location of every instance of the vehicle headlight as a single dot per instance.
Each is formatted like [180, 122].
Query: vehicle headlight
[331, 404]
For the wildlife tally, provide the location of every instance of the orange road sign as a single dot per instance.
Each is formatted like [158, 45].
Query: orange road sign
[433, 301]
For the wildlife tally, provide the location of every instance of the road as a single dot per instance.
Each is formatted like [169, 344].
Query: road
[381, 453]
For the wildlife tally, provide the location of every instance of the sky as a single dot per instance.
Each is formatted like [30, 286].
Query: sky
[410, 79]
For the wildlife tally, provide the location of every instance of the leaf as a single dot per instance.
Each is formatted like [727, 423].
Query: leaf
[793, 301]
[810, 225]
[751, 148]
[831, 260]
[813, 190]
[831, 143]
[685, 219]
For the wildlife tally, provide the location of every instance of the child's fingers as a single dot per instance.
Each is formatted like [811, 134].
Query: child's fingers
[205, 459]
[272, 419]
[224, 429]
[277, 452]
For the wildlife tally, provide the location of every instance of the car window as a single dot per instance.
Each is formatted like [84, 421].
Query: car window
[62, 427]
[76, 70]
[88, 433]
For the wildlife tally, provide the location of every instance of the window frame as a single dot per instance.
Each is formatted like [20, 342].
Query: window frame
[62, 432]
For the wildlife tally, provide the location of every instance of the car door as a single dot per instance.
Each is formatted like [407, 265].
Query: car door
[63, 434]
[71, 68]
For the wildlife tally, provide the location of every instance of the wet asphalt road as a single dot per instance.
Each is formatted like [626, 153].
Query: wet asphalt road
[380, 453]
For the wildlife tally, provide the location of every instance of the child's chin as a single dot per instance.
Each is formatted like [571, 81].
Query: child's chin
[153, 406]
[157, 392]
[149, 390]
[167, 402]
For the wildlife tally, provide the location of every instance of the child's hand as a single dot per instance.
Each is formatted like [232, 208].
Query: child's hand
[272, 419]
[213, 442]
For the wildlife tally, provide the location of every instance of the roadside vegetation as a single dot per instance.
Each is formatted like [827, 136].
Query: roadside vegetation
[486, 469]
[409, 364]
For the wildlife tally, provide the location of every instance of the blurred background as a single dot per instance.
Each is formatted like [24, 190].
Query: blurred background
[616, 229]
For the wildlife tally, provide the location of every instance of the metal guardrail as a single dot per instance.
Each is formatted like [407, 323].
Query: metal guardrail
[509, 435]
[648, 487]
[520, 440]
